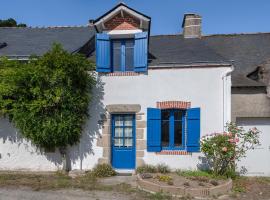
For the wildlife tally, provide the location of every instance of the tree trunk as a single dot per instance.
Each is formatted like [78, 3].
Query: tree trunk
[63, 152]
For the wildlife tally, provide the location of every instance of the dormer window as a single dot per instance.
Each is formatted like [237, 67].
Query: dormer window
[122, 40]
[122, 55]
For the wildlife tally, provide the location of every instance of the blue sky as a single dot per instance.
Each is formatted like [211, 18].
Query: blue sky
[219, 16]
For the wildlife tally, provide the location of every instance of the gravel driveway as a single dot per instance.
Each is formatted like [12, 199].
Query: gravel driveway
[28, 194]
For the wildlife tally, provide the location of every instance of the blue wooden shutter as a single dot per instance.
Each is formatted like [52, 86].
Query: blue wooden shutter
[103, 51]
[153, 130]
[141, 52]
[193, 130]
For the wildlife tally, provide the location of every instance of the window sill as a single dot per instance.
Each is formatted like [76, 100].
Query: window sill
[173, 152]
[120, 74]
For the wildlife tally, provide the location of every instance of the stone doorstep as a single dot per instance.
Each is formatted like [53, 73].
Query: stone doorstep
[182, 191]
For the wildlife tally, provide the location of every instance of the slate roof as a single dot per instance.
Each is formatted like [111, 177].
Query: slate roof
[29, 41]
[246, 50]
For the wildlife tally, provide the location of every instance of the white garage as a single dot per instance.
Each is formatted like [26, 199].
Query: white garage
[257, 161]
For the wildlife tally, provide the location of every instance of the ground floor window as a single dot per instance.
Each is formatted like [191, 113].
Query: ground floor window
[172, 125]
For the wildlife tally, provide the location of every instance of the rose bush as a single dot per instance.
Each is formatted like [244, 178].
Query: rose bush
[222, 150]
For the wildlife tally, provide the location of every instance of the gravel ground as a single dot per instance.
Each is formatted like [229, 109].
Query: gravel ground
[28, 194]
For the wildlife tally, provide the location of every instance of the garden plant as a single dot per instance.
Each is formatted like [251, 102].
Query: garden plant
[223, 150]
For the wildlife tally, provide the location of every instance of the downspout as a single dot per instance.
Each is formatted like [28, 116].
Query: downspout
[225, 94]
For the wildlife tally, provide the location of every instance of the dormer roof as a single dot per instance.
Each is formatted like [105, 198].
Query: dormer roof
[122, 9]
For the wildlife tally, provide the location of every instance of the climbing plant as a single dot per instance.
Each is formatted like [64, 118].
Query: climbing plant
[47, 97]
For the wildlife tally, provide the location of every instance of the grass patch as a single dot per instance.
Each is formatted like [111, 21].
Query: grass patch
[160, 168]
[198, 174]
[190, 173]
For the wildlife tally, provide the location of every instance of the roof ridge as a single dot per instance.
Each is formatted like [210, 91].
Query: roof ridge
[210, 35]
[235, 34]
[43, 27]
[176, 34]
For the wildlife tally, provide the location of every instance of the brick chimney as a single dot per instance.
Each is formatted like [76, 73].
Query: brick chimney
[192, 26]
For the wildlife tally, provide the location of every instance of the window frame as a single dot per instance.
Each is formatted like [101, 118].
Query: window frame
[123, 47]
[123, 137]
[171, 130]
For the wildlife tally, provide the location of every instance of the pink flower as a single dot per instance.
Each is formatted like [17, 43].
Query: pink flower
[230, 134]
[254, 130]
[224, 149]
[231, 140]
[236, 139]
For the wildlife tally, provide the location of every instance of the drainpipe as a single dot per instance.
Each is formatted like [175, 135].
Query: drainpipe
[225, 95]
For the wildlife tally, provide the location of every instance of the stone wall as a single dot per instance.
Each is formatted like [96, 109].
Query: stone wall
[105, 140]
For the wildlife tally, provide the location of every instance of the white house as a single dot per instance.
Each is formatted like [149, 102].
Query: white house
[155, 95]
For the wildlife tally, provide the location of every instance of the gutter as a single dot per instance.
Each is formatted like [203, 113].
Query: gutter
[226, 105]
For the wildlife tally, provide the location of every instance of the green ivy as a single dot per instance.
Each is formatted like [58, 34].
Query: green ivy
[47, 98]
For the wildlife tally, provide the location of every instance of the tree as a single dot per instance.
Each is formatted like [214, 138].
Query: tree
[47, 98]
[10, 23]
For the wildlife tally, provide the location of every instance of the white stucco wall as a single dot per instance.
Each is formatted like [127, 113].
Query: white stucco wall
[203, 87]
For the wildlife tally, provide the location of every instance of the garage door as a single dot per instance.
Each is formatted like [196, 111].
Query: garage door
[257, 161]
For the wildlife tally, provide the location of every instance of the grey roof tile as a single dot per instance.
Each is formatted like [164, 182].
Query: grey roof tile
[29, 41]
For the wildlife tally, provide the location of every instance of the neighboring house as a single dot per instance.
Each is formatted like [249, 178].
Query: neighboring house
[155, 95]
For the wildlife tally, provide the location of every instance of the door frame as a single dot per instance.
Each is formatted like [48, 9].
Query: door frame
[133, 137]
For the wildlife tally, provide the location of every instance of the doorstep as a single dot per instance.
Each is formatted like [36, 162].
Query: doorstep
[125, 172]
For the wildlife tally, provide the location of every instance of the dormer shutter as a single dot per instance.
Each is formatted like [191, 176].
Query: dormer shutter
[103, 52]
[141, 52]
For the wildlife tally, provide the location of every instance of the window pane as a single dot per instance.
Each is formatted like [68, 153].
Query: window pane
[116, 58]
[129, 55]
[165, 114]
[178, 115]
[165, 134]
[118, 142]
[128, 120]
[118, 132]
[128, 142]
[177, 133]
[128, 132]
[118, 121]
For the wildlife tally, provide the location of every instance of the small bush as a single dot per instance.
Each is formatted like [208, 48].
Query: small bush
[163, 168]
[164, 178]
[146, 169]
[104, 170]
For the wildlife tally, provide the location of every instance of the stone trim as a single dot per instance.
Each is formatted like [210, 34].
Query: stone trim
[104, 140]
[172, 152]
[123, 108]
[173, 104]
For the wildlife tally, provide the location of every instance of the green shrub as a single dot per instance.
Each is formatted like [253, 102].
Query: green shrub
[164, 178]
[104, 170]
[163, 168]
[146, 169]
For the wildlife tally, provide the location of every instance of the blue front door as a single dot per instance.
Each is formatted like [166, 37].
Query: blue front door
[123, 141]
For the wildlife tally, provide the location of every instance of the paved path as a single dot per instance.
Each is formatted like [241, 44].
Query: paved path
[28, 194]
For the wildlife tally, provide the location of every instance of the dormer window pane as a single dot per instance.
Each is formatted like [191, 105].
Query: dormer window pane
[116, 55]
[129, 55]
[122, 55]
